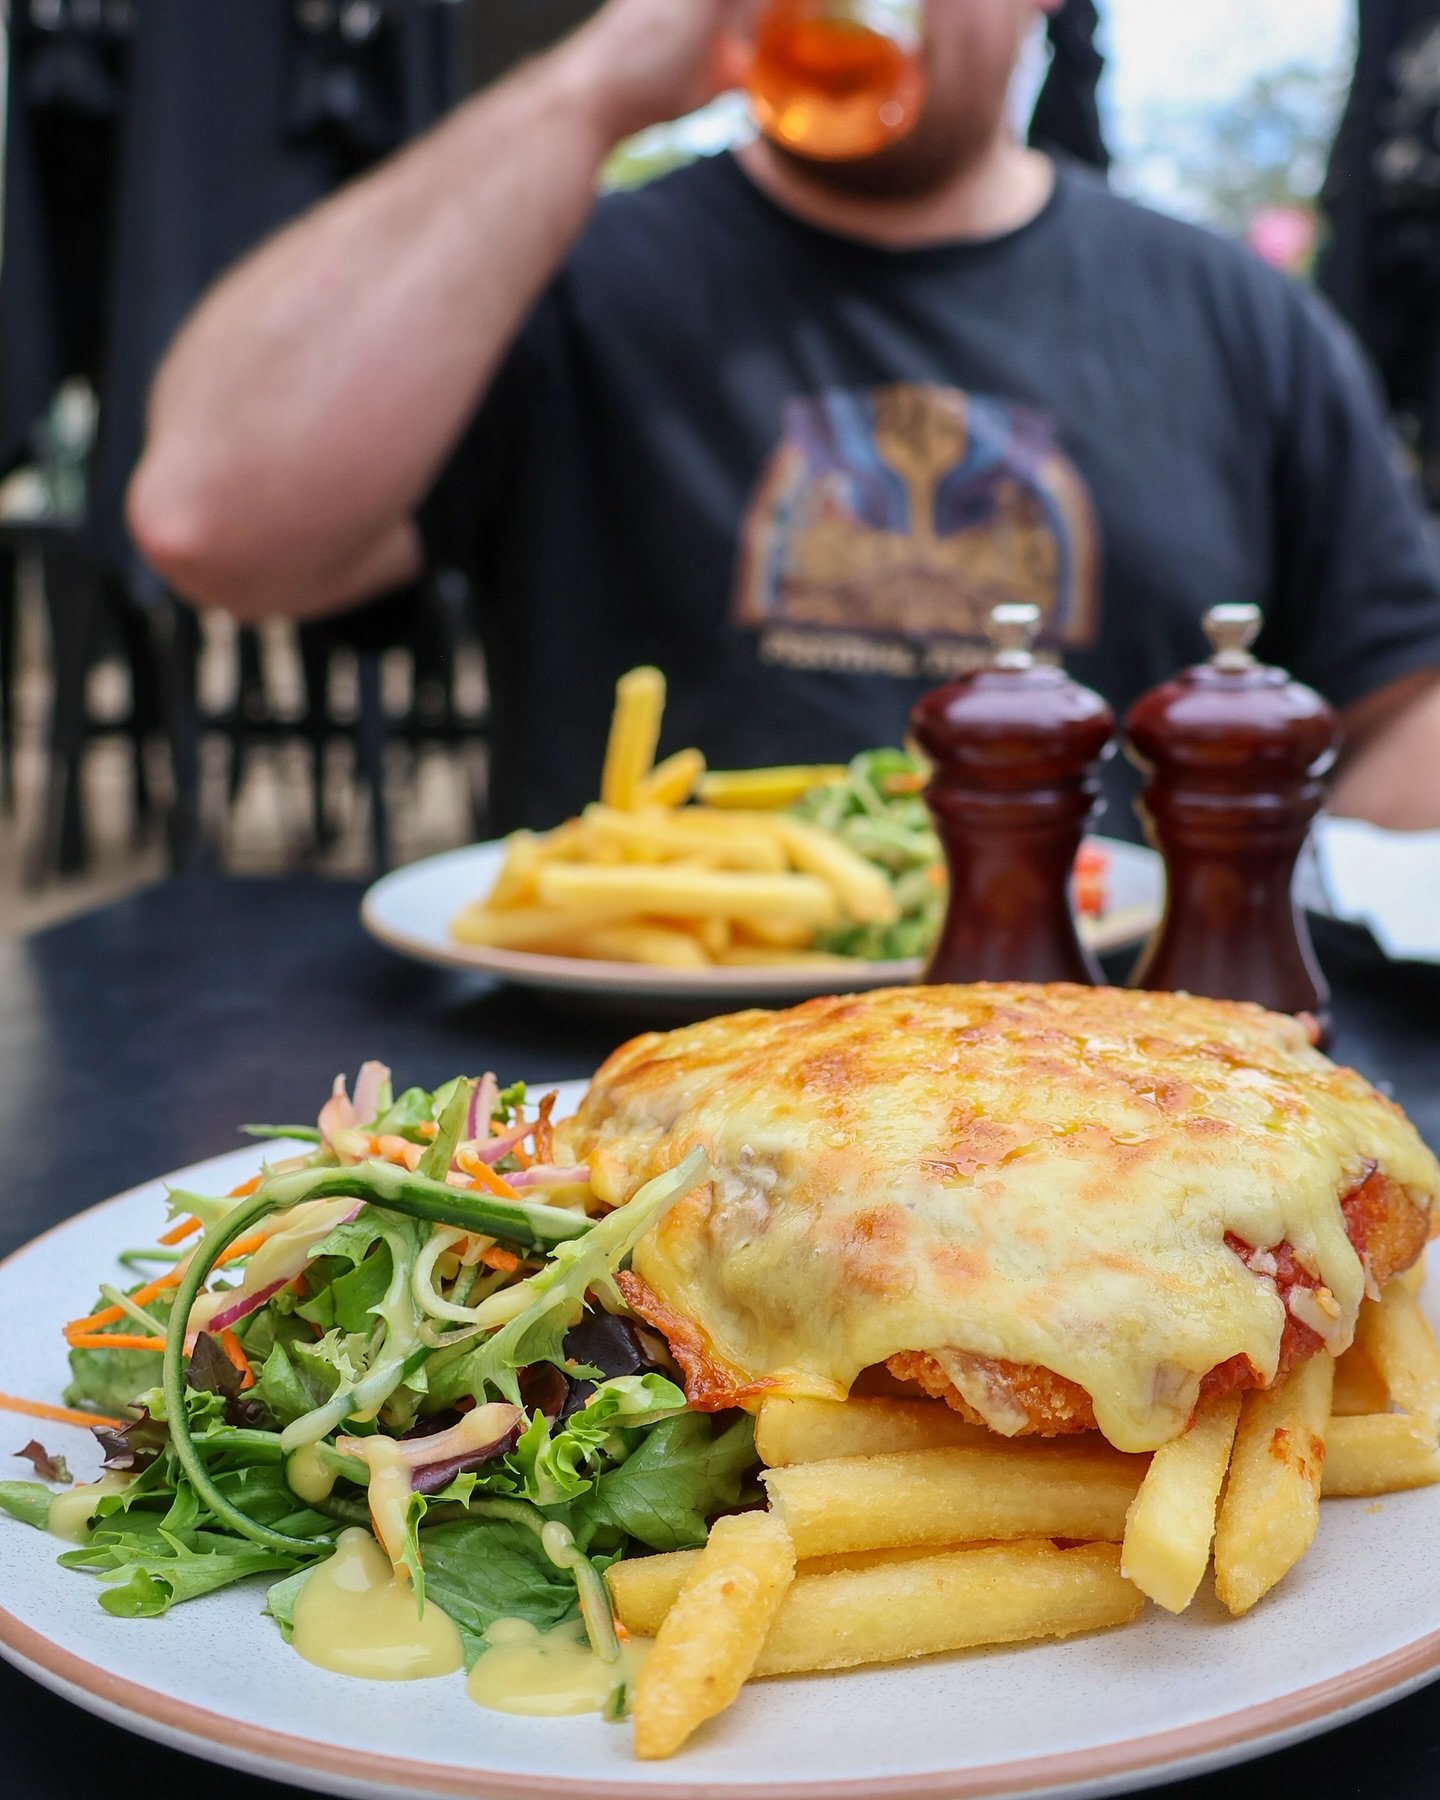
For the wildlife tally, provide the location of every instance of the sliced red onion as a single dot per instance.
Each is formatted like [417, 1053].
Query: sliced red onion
[244, 1304]
[368, 1086]
[490, 1150]
[431, 1477]
[336, 1115]
[242, 1307]
[483, 1097]
[435, 1461]
[549, 1175]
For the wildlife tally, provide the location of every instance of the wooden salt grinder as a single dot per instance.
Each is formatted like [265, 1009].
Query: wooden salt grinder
[1235, 754]
[1016, 749]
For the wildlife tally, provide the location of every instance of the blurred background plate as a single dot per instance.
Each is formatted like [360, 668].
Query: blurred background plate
[411, 909]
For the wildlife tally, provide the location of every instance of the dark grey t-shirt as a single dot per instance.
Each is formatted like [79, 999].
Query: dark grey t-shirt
[796, 472]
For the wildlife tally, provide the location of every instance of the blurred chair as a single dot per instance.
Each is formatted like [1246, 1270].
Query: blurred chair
[148, 147]
[88, 613]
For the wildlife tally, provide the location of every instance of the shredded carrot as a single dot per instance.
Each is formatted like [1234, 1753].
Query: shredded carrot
[246, 1187]
[110, 1315]
[113, 1340]
[397, 1150]
[494, 1257]
[544, 1131]
[177, 1234]
[427, 1129]
[243, 1246]
[235, 1355]
[485, 1178]
[62, 1415]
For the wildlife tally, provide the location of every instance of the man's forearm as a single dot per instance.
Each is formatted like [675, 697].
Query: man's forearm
[1392, 775]
[307, 405]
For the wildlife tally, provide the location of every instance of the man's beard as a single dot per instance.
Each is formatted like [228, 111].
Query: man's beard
[915, 166]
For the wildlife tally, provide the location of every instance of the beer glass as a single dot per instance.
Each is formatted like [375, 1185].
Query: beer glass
[837, 79]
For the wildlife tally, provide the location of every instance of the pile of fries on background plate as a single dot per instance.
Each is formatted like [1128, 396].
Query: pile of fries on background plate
[894, 1529]
[678, 867]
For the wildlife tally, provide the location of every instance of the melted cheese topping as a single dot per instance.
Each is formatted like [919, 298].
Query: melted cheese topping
[1040, 1174]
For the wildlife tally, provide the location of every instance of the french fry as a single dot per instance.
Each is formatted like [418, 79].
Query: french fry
[713, 1632]
[515, 884]
[774, 934]
[766, 788]
[690, 893]
[634, 732]
[662, 836]
[1172, 1518]
[1272, 1500]
[800, 1431]
[761, 956]
[714, 934]
[1359, 1386]
[862, 890]
[672, 782]
[1413, 1278]
[532, 927]
[638, 941]
[1379, 1454]
[892, 1608]
[1395, 1334]
[643, 1588]
[896, 1610]
[1010, 1490]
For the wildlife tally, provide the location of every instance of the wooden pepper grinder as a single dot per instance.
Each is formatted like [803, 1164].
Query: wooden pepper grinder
[1016, 748]
[1235, 755]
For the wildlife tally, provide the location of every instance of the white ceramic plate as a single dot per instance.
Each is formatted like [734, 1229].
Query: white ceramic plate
[411, 909]
[1353, 1626]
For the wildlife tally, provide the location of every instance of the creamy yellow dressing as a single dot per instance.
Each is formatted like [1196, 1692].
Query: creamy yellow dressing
[311, 1474]
[354, 1617]
[547, 1674]
[69, 1515]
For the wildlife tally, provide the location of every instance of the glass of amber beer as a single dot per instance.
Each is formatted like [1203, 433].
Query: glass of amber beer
[837, 79]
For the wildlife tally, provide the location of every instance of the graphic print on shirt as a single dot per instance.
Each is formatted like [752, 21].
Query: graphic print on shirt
[888, 522]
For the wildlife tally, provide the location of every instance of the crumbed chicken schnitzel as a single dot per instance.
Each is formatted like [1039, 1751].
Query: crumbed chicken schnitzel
[1053, 1207]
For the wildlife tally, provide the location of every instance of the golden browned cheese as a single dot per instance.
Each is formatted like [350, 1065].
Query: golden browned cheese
[1041, 1176]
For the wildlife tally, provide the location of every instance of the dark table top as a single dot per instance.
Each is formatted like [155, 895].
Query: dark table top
[144, 1031]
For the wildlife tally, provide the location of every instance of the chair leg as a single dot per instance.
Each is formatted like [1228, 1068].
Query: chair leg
[9, 627]
[146, 704]
[315, 674]
[249, 707]
[70, 590]
[370, 734]
[179, 661]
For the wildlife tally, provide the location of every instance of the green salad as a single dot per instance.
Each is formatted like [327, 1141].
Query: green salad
[877, 809]
[414, 1326]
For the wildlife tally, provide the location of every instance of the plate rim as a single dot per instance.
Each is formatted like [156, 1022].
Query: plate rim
[1155, 1758]
[1164, 1756]
[581, 974]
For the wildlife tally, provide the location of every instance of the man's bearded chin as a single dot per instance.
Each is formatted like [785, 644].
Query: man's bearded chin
[939, 149]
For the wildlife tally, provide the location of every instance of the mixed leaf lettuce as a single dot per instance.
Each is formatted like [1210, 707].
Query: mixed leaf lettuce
[357, 1337]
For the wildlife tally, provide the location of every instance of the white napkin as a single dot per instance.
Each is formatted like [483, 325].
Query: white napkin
[1387, 880]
